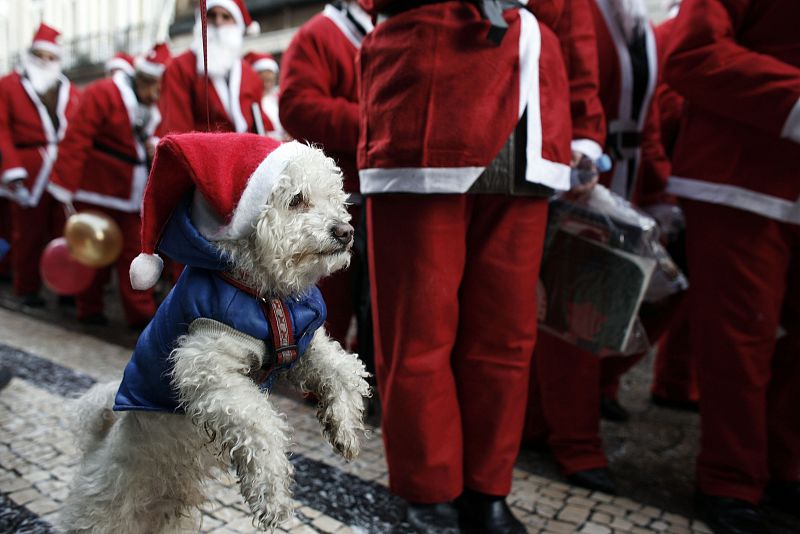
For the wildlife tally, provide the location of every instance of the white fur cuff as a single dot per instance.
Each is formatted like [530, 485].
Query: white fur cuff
[145, 271]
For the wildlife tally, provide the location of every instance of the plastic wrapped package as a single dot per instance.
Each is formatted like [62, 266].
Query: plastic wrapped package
[602, 258]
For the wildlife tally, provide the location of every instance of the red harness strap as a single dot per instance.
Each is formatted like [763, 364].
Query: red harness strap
[284, 346]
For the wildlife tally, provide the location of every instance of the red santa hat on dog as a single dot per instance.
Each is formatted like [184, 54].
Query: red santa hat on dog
[46, 39]
[233, 174]
[261, 62]
[155, 62]
[240, 14]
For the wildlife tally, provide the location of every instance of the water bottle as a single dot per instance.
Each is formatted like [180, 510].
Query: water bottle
[585, 172]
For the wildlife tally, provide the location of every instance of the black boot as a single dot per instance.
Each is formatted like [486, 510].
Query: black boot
[433, 518]
[95, 319]
[725, 515]
[612, 410]
[784, 496]
[594, 479]
[480, 513]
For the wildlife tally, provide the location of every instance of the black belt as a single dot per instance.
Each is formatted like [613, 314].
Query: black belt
[621, 144]
[30, 145]
[491, 10]
[114, 153]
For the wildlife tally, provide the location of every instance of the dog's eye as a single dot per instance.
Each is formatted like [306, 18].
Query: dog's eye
[297, 200]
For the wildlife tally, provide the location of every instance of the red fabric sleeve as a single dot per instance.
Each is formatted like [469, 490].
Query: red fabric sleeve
[9, 153]
[81, 132]
[575, 30]
[175, 101]
[307, 108]
[714, 72]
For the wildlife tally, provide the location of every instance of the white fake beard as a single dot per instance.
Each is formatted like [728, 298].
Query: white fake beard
[224, 49]
[631, 15]
[42, 74]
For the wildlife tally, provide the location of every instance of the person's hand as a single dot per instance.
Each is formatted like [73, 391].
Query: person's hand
[150, 146]
[20, 193]
[584, 175]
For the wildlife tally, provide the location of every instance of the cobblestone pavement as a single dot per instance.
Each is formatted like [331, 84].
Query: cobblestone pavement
[54, 364]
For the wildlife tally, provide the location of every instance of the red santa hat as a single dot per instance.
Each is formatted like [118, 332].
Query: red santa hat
[45, 39]
[155, 61]
[240, 14]
[232, 176]
[261, 62]
[121, 61]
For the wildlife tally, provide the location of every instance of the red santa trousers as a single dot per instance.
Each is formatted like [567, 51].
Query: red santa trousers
[139, 306]
[454, 305]
[31, 230]
[745, 273]
[674, 376]
[337, 290]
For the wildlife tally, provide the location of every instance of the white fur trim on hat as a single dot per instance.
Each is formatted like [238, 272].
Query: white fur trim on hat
[257, 191]
[119, 63]
[148, 67]
[231, 7]
[266, 64]
[47, 46]
[145, 271]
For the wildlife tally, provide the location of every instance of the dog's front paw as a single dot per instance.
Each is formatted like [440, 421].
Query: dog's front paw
[342, 423]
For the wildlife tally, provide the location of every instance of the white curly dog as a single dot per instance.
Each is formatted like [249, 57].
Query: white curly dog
[145, 472]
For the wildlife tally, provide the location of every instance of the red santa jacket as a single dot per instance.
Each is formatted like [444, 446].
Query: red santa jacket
[319, 94]
[101, 160]
[737, 63]
[668, 101]
[183, 99]
[641, 169]
[438, 100]
[31, 139]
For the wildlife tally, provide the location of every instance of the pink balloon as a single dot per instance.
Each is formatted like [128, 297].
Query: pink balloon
[62, 273]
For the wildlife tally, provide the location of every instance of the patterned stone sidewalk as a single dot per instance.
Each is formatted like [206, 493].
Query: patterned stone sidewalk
[37, 457]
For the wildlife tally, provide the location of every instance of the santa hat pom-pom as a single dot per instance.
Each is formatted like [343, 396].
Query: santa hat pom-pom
[254, 28]
[145, 271]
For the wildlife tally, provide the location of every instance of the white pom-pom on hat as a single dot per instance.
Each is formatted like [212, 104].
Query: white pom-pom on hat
[254, 28]
[145, 271]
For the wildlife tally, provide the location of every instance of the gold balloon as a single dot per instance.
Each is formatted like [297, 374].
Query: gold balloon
[94, 239]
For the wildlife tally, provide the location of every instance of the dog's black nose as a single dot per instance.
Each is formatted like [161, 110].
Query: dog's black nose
[343, 233]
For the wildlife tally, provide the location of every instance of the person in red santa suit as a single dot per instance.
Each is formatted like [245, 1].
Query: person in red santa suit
[36, 104]
[737, 64]
[234, 89]
[267, 69]
[570, 386]
[319, 104]
[103, 166]
[453, 273]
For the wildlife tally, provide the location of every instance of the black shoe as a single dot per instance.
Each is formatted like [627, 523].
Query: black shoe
[682, 405]
[594, 479]
[33, 300]
[725, 515]
[433, 518]
[783, 496]
[95, 319]
[5, 376]
[612, 410]
[480, 513]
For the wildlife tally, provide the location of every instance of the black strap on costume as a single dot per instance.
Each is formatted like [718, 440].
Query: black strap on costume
[29, 145]
[116, 154]
[491, 10]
